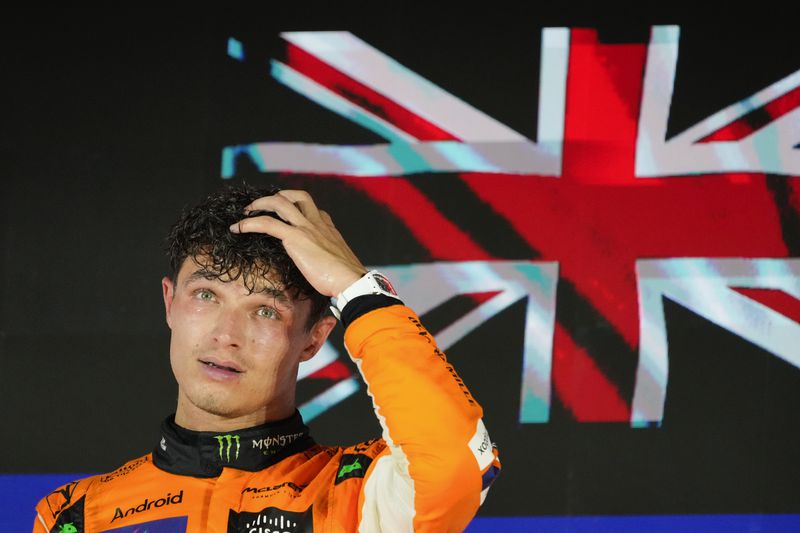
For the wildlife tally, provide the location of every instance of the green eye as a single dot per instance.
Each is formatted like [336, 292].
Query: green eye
[267, 312]
[205, 294]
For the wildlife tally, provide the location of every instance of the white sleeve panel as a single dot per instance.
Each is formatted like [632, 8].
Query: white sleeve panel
[388, 499]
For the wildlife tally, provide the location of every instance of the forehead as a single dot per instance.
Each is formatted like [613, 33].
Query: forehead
[201, 267]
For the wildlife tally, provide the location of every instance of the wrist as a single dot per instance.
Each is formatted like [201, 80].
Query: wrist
[371, 283]
[347, 281]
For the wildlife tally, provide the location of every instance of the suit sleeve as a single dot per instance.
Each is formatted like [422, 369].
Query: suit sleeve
[439, 461]
[62, 509]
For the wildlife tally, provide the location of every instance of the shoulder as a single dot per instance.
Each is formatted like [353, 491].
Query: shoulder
[123, 471]
[356, 461]
[64, 504]
[67, 501]
[344, 462]
[371, 447]
[64, 497]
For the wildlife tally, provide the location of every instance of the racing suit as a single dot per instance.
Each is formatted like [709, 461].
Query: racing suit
[429, 472]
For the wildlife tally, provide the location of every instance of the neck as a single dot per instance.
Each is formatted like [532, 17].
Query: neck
[189, 416]
[206, 453]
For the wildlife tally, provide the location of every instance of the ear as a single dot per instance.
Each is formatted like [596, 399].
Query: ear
[168, 288]
[319, 335]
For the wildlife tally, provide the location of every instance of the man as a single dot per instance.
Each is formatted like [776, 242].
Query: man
[253, 273]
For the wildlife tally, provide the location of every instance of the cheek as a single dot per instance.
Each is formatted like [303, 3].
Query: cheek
[270, 350]
[189, 309]
[189, 316]
[263, 338]
[190, 327]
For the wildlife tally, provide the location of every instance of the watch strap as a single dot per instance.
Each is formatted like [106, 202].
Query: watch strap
[371, 283]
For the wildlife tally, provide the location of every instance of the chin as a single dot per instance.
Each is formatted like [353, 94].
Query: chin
[219, 404]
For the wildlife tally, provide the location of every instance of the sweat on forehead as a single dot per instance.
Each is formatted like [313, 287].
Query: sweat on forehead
[257, 278]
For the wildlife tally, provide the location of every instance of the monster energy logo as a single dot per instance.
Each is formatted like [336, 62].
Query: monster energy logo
[225, 443]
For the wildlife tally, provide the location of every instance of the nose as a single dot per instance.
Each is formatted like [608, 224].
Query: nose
[228, 329]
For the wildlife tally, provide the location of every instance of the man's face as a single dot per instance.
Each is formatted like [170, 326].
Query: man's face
[235, 354]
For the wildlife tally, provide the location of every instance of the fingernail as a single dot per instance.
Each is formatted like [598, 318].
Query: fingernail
[235, 228]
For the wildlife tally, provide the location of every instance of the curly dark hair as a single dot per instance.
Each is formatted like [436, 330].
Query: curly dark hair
[203, 231]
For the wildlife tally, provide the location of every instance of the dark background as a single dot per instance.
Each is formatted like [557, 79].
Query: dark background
[113, 122]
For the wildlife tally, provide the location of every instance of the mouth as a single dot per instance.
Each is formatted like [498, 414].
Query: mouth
[227, 367]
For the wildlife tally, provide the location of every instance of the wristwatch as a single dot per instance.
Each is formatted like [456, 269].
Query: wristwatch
[373, 282]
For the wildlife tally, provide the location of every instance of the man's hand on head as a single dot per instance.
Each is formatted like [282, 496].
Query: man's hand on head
[310, 239]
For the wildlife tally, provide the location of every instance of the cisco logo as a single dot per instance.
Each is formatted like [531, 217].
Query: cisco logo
[271, 520]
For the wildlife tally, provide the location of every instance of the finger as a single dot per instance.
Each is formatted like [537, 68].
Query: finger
[282, 206]
[304, 203]
[326, 218]
[263, 224]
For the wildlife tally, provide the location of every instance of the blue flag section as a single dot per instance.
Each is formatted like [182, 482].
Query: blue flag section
[639, 524]
[20, 493]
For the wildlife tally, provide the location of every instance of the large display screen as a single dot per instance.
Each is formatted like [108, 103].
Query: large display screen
[599, 223]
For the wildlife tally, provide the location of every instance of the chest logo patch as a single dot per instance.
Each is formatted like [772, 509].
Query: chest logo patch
[352, 465]
[271, 520]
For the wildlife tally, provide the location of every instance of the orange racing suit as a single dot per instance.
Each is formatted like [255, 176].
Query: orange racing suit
[429, 472]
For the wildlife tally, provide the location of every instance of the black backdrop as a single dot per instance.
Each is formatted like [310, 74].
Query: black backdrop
[112, 123]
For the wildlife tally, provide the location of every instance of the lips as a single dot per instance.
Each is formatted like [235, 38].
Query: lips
[228, 366]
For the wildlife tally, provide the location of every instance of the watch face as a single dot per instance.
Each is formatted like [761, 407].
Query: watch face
[384, 284]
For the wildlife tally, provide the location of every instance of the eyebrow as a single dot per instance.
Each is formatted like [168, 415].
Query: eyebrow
[210, 275]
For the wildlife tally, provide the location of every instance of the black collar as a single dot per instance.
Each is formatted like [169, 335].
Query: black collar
[205, 453]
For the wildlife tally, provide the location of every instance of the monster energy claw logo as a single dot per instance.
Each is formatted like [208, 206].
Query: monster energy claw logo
[225, 442]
